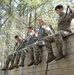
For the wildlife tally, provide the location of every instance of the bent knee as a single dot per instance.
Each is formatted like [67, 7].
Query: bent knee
[57, 34]
[46, 39]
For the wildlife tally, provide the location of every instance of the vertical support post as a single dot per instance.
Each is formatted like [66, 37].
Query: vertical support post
[33, 70]
[22, 71]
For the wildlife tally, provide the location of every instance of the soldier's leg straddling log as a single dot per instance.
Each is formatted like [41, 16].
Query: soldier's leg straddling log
[59, 43]
[17, 59]
[21, 64]
[37, 54]
[7, 62]
[31, 55]
[12, 62]
[48, 40]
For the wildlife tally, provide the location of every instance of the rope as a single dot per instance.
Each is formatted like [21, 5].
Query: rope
[47, 67]
[64, 16]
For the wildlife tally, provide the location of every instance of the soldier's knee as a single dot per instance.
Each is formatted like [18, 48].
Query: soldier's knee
[22, 52]
[18, 53]
[35, 45]
[41, 43]
[57, 34]
[48, 39]
[29, 49]
[45, 39]
[10, 57]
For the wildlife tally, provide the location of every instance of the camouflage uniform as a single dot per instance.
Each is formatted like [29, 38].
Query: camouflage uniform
[19, 54]
[37, 47]
[29, 41]
[11, 57]
[34, 50]
[63, 30]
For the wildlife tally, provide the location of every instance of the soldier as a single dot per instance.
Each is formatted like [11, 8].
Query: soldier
[11, 57]
[21, 54]
[34, 50]
[32, 36]
[64, 28]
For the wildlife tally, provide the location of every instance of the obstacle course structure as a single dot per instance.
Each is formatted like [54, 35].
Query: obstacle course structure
[64, 66]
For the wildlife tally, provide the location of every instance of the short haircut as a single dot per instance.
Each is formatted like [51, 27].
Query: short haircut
[41, 20]
[30, 27]
[58, 7]
[16, 36]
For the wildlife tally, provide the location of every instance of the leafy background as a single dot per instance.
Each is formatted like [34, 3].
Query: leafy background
[17, 15]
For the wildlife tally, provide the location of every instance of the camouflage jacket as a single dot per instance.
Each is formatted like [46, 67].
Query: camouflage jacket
[66, 24]
[20, 45]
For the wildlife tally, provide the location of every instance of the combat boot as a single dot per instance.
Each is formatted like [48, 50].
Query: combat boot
[32, 61]
[60, 56]
[16, 64]
[21, 63]
[11, 66]
[37, 62]
[51, 57]
[5, 67]
[59, 45]
[38, 58]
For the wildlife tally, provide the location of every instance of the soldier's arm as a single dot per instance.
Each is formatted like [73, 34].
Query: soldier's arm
[47, 29]
[71, 14]
[15, 46]
[20, 45]
[44, 28]
[36, 36]
[41, 34]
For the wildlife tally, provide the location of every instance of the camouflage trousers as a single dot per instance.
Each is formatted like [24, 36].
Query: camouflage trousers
[10, 59]
[35, 51]
[57, 38]
[20, 56]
